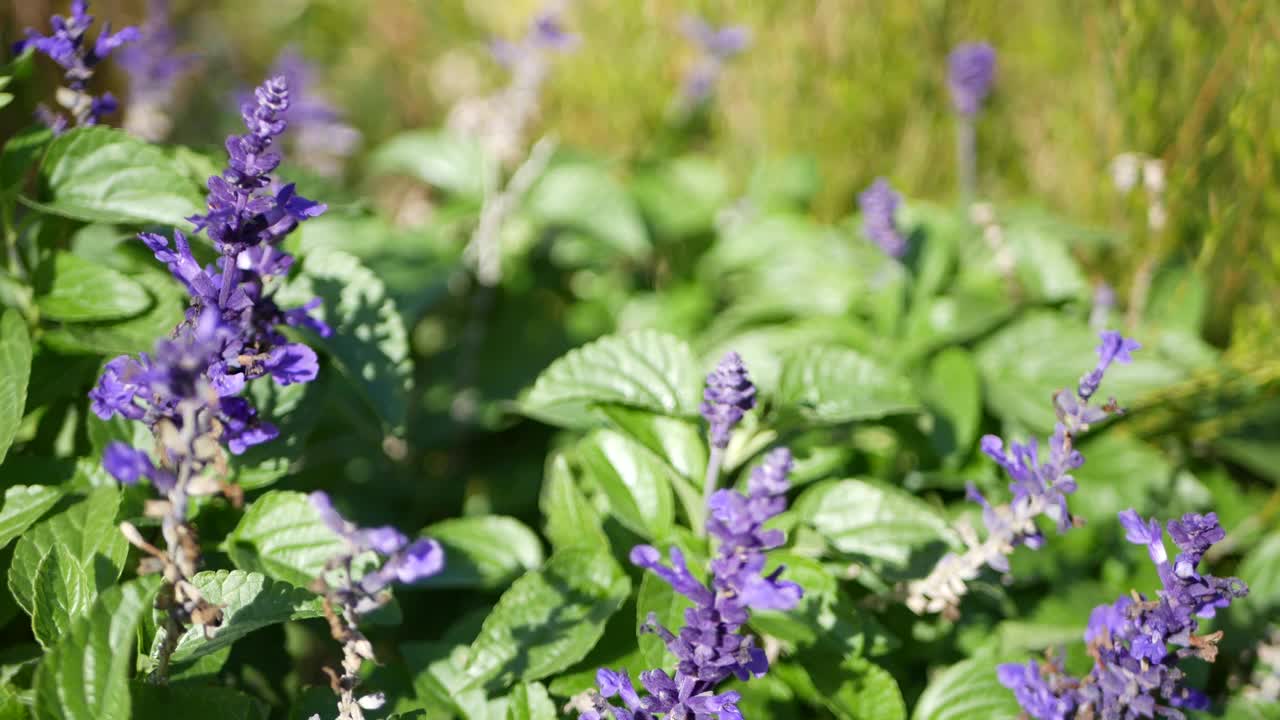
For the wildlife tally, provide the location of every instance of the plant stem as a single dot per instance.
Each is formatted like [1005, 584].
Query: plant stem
[710, 484]
[967, 160]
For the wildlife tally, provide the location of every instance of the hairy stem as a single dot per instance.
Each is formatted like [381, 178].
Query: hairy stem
[711, 482]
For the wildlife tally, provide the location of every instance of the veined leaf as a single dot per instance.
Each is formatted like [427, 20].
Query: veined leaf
[530, 701]
[572, 521]
[282, 536]
[838, 385]
[968, 689]
[63, 592]
[637, 483]
[83, 291]
[483, 551]
[23, 506]
[548, 619]
[86, 675]
[649, 370]
[100, 174]
[861, 518]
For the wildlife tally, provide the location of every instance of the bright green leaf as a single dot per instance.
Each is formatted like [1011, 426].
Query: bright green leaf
[446, 161]
[86, 675]
[282, 536]
[637, 483]
[873, 521]
[1260, 569]
[137, 334]
[587, 198]
[572, 521]
[530, 701]
[85, 291]
[954, 395]
[63, 592]
[838, 385]
[23, 505]
[369, 341]
[966, 690]
[547, 620]
[486, 551]
[100, 174]
[647, 369]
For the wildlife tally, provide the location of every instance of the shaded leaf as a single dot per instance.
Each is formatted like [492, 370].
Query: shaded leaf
[15, 372]
[159, 702]
[82, 290]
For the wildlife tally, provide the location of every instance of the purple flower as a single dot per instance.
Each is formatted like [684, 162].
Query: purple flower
[68, 46]
[879, 205]
[728, 396]
[154, 66]
[971, 69]
[322, 140]
[710, 647]
[404, 562]
[1114, 348]
[1136, 674]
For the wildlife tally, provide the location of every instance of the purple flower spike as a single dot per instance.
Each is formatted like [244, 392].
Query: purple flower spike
[879, 205]
[711, 647]
[68, 46]
[728, 396]
[1135, 673]
[715, 47]
[971, 69]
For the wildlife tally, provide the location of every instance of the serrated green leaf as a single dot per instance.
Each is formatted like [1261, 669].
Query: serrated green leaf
[100, 174]
[15, 372]
[530, 701]
[86, 531]
[63, 592]
[872, 521]
[587, 198]
[369, 342]
[838, 385]
[282, 536]
[86, 675]
[486, 551]
[23, 506]
[572, 521]
[81, 291]
[647, 369]
[853, 688]
[547, 620]
[637, 483]
[966, 690]
[196, 702]
[680, 442]
[449, 162]
[249, 601]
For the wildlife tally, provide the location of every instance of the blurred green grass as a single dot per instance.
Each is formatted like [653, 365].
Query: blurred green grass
[859, 87]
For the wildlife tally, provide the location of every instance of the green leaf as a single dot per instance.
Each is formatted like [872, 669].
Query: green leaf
[587, 198]
[967, 690]
[137, 334]
[294, 410]
[658, 597]
[854, 688]
[20, 156]
[530, 701]
[282, 536]
[15, 372]
[680, 442]
[86, 675]
[486, 551]
[249, 601]
[100, 174]
[954, 395]
[83, 291]
[1260, 569]
[23, 506]
[838, 385]
[449, 162]
[369, 342]
[572, 521]
[647, 369]
[160, 702]
[547, 620]
[86, 531]
[1245, 708]
[872, 521]
[682, 196]
[637, 483]
[63, 592]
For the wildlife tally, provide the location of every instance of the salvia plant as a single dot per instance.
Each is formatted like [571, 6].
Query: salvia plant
[333, 420]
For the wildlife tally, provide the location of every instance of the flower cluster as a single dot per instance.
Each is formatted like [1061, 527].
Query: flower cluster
[347, 597]
[1038, 488]
[322, 141]
[188, 392]
[711, 647]
[729, 394]
[879, 205]
[715, 47]
[68, 47]
[971, 69]
[1137, 644]
[154, 65]
[499, 121]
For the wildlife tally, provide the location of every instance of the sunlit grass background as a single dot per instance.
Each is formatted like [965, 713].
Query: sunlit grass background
[852, 86]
